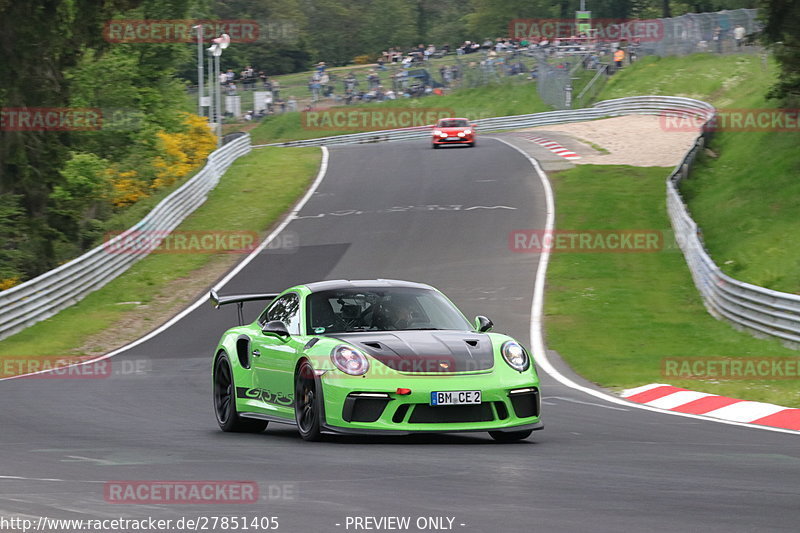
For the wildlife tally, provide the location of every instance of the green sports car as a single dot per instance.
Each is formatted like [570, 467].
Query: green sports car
[373, 356]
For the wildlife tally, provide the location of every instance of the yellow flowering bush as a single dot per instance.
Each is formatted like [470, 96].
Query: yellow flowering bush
[8, 283]
[183, 151]
[126, 189]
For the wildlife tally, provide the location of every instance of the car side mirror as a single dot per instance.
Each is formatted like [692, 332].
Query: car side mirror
[483, 324]
[275, 327]
[474, 125]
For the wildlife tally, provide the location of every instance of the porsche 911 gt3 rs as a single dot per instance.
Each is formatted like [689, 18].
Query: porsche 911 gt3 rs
[372, 356]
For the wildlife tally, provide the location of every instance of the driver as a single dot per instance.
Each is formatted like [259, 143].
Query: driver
[401, 315]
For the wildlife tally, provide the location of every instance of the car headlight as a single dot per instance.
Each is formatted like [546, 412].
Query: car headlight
[350, 361]
[468, 132]
[437, 132]
[461, 134]
[442, 134]
[515, 356]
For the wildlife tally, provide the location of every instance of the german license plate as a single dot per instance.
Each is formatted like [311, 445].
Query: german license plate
[460, 397]
[452, 138]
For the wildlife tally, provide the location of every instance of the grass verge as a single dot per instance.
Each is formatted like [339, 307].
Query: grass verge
[615, 317]
[744, 193]
[252, 196]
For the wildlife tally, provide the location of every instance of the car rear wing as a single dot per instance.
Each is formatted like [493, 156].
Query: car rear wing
[239, 299]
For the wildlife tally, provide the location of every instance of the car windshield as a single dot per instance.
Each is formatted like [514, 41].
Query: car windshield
[381, 309]
[453, 123]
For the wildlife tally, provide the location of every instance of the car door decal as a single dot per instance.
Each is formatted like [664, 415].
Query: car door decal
[265, 396]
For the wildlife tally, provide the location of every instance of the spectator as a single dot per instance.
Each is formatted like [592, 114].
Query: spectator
[429, 51]
[248, 77]
[315, 87]
[230, 75]
[619, 57]
[372, 79]
[738, 35]
[717, 38]
[268, 96]
[350, 83]
[324, 84]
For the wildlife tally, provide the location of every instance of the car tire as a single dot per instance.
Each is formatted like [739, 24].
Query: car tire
[307, 406]
[472, 144]
[435, 146]
[510, 436]
[225, 401]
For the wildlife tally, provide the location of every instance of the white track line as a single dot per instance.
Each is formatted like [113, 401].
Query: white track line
[537, 337]
[323, 169]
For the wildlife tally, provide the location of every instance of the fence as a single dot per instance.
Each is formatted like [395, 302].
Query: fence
[45, 295]
[702, 32]
[687, 34]
[419, 79]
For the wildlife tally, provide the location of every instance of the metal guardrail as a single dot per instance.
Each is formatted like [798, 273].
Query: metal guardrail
[762, 311]
[46, 295]
[607, 108]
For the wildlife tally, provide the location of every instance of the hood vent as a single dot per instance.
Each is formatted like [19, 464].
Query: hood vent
[375, 345]
[472, 342]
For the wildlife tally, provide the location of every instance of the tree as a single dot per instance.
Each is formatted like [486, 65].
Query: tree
[781, 33]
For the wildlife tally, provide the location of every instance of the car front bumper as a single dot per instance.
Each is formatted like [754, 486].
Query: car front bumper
[450, 140]
[510, 401]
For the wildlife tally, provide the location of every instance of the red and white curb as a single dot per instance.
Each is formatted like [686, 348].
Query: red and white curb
[701, 403]
[550, 145]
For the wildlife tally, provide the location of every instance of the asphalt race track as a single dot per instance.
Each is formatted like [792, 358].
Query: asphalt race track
[397, 210]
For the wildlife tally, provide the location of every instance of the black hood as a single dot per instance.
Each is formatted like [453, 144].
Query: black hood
[425, 351]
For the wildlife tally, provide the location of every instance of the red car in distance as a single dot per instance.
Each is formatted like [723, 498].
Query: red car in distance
[453, 131]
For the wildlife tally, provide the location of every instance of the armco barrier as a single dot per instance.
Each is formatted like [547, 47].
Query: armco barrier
[45, 295]
[607, 108]
[760, 310]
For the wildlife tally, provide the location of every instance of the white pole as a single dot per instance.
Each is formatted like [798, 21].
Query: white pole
[211, 110]
[200, 87]
[220, 112]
